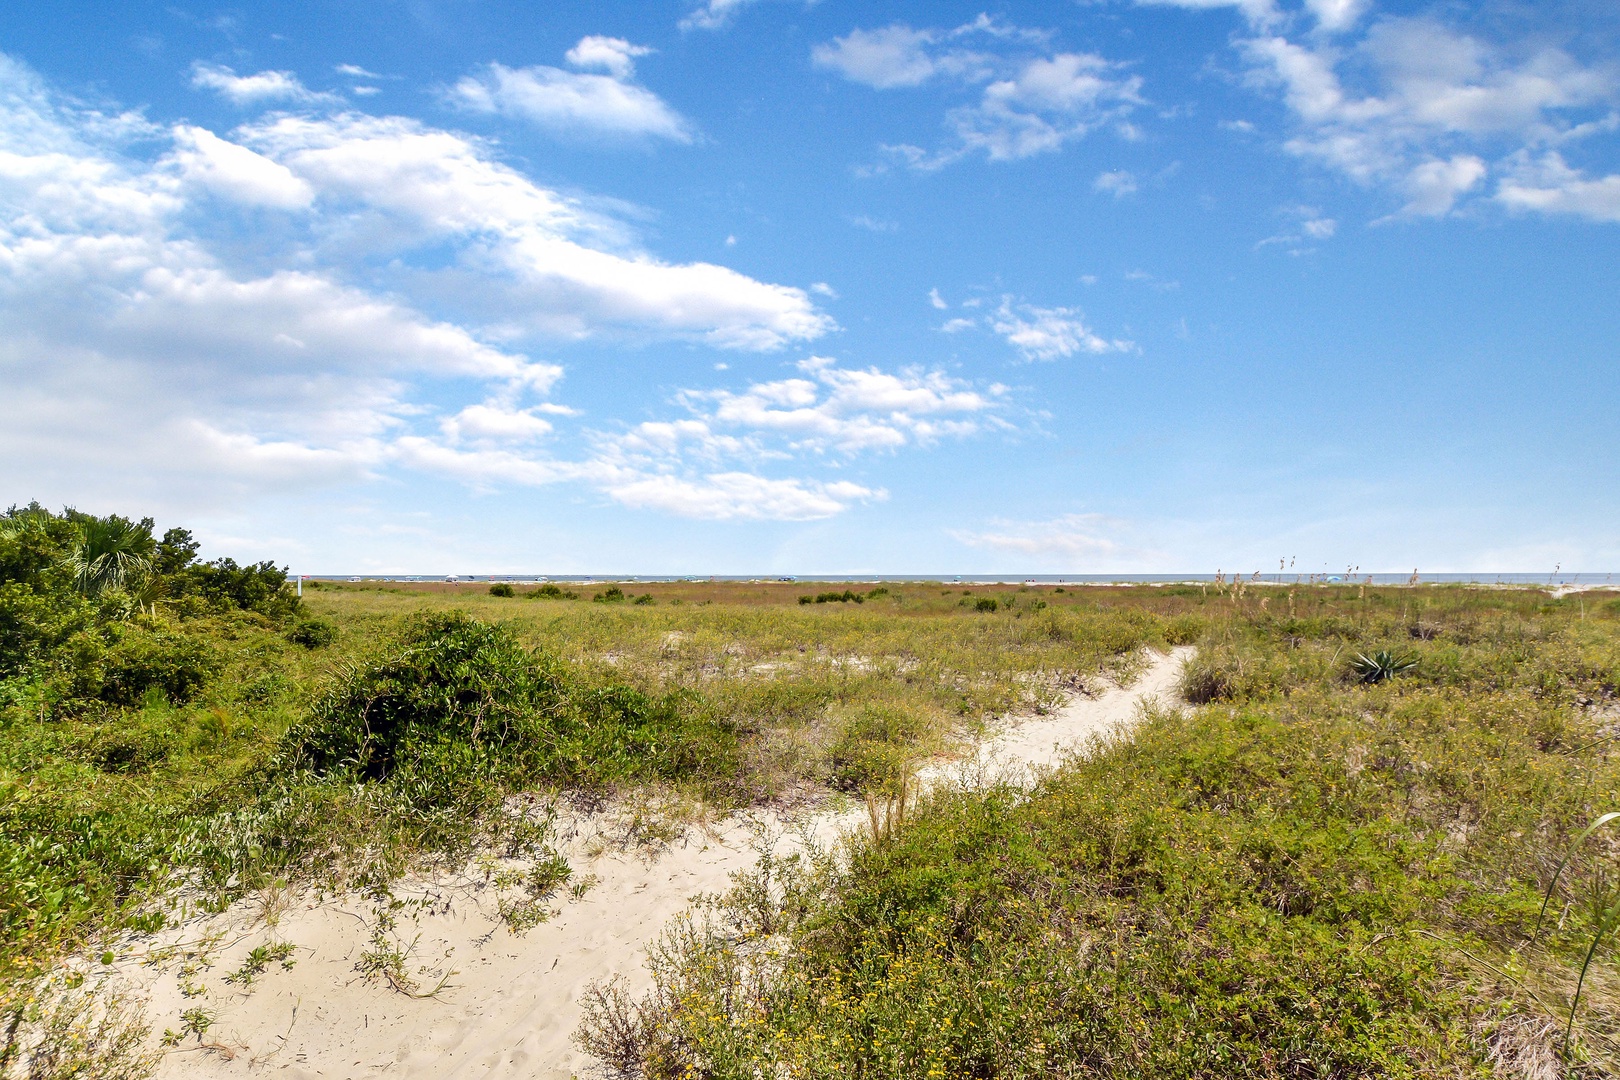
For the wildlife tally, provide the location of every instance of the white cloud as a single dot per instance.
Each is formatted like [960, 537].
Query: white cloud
[1308, 225]
[1433, 187]
[614, 55]
[956, 326]
[1074, 542]
[236, 172]
[1417, 107]
[1049, 333]
[523, 240]
[892, 56]
[355, 71]
[848, 410]
[937, 300]
[732, 495]
[1032, 100]
[246, 90]
[1337, 15]
[572, 102]
[1119, 183]
[1319, 228]
[714, 14]
[1549, 186]
[1258, 12]
[142, 363]
[495, 422]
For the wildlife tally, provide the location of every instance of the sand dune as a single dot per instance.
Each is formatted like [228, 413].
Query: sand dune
[508, 1003]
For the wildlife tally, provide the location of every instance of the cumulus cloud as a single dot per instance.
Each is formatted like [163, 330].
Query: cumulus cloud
[695, 465]
[495, 422]
[235, 172]
[614, 55]
[850, 410]
[576, 102]
[883, 59]
[431, 187]
[1433, 187]
[1049, 333]
[260, 89]
[144, 361]
[1030, 99]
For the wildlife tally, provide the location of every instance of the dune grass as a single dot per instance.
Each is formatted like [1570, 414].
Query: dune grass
[1313, 873]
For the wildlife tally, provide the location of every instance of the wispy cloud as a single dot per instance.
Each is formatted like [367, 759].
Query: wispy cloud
[258, 89]
[1049, 333]
[1031, 99]
[1118, 183]
[579, 102]
[1073, 542]
[1430, 114]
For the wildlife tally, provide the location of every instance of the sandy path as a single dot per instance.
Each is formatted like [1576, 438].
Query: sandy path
[510, 1005]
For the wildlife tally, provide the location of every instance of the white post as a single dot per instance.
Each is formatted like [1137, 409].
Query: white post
[300, 584]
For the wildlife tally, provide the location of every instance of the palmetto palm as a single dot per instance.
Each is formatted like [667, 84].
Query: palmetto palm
[110, 553]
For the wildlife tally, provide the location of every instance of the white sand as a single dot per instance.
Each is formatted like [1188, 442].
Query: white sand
[510, 1003]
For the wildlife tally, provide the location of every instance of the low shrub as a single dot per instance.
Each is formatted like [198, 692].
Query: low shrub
[458, 702]
[500, 588]
[124, 663]
[313, 633]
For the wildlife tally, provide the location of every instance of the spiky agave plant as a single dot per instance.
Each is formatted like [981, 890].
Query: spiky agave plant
[1382, 665]
[110, 553]
[1608, 918]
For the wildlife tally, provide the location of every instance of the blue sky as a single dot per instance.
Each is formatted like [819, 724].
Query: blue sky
[775, 287]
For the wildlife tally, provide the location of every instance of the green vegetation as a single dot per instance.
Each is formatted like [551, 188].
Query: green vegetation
[1336, 864]
[1314, 874]
[179, 733]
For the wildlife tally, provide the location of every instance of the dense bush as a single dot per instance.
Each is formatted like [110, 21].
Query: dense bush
[313, 633]
[139, 660]
[223, 584]
[460, 700]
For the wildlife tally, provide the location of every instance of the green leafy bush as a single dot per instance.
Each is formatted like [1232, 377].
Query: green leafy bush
[458, 701]
[313, 633]
[121, 666]
[500, 588]
[450, 683]
[223, 584]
